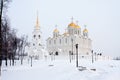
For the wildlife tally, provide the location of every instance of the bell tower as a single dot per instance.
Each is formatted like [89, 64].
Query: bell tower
[36, 40]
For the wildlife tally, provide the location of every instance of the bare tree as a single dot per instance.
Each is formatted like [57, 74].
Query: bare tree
[18, 48]
[5, 32]
[3, 7]
[13, 45]
[23, 45]
[9, 42]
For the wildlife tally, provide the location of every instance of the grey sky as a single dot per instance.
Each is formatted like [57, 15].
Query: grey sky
[102, 18]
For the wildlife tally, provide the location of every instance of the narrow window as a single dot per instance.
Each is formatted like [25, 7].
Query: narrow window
[78, 32]
[50, 42]
[60, 41]
[34, 36]
[66, 40]
[39, 36]
[54, 41]
[75, 32]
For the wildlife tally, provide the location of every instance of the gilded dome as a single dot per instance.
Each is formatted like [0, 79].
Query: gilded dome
[72, 25]
[85, 30]
[56, 30]
[77, 26]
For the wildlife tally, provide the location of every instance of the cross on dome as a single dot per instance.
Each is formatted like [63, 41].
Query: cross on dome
[77, 22]
[85, 26]
[56, 26]
[72, 19]
[85, 30]
[56, 30]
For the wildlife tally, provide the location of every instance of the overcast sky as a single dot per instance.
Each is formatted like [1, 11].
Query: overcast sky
[102, 18]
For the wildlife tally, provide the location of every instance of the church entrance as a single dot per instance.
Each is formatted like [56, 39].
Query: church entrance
[56, 53]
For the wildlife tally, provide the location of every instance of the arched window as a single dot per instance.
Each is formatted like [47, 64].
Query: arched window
[39, 36]
[34, 36]
[78, 32]
[66, 40]
[49, 41]
[54, 41]
[75, 32]
[60, 41]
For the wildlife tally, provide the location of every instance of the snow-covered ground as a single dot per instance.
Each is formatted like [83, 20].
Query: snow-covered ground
[62, 70]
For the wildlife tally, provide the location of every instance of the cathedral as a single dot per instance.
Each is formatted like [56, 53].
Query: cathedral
[64, 44]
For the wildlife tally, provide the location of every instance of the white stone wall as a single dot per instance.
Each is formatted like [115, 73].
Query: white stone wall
[66, 46]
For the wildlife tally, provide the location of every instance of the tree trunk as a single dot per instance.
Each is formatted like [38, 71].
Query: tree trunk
[12, 59]
[1, 35]
[6, 61]
[21, 61]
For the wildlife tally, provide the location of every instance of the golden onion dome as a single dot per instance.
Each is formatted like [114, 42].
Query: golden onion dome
[77, 26]
[56, 30]
[72, 25]
[85, 30]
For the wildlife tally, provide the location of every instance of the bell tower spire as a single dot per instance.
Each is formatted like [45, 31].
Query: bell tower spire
[37, 22]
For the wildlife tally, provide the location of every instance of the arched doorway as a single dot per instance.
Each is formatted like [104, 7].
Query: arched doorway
[56, 53]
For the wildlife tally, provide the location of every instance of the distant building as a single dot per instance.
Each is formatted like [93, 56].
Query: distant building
[64, 44]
